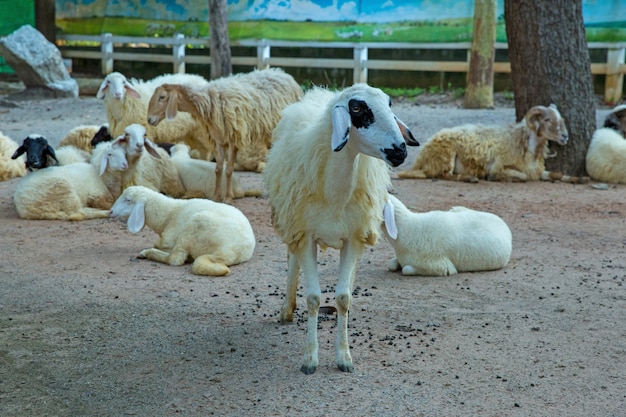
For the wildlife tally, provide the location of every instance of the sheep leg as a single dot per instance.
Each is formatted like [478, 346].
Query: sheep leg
[343, 296]
[219, 167]
[289, 305]
[173, 258]
[230, 168]
[308, 260]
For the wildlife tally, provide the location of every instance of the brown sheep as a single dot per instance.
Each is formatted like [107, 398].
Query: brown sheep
[497, 153]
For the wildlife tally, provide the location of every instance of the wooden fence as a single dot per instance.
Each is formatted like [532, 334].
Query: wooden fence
[614, 68]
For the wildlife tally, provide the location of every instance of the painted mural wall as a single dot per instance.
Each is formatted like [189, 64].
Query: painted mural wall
[320, 20]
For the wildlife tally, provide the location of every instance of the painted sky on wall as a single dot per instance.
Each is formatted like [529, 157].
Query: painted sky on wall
[316, 10]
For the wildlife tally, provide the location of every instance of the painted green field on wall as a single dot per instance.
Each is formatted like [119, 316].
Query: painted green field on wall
[451, 30]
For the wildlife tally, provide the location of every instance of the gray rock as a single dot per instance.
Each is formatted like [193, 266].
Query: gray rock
[38, 64]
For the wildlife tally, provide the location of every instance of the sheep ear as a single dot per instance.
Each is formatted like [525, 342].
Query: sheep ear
[102, 89]
[171, 110]
[341, 128]
[390, 220]
[136, 219]
[406, 133]
[51, 154]
[18, 152]
[130, 90]
[151, 148]
[103, 164]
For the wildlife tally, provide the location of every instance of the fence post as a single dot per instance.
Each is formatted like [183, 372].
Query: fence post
[360, 64]
[106, 49]
[263, 55]
[178, 52]
[614, 79]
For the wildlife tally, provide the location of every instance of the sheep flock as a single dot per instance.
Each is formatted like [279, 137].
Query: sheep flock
[166, 151]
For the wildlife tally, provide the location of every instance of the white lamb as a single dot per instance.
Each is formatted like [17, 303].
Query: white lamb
[10, 168]
[126, 103]
[440, 243]
[606, 155]
[327, 176]
[198, 176]
[214, 235]
[153, 169]
[239, 112]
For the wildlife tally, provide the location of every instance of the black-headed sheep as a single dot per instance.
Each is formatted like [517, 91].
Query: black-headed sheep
[606, 156]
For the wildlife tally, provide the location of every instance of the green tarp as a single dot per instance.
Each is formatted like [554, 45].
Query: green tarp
[13, 15]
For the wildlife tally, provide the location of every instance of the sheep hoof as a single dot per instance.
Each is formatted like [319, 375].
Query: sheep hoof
[345, 367]
[308, 369]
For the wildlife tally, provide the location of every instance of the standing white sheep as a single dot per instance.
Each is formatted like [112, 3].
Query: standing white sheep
[327, 176]
[440, 243]
[214, 235]
[497, 153]
[237, 111]
[606, 156]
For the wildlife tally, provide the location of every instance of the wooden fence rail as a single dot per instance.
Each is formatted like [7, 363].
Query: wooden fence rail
[614, 68]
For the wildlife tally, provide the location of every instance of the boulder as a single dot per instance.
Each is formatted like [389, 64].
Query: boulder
[38, 64]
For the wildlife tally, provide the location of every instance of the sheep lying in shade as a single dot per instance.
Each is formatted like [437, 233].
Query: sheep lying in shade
[10, 167]
[237, 111]
[148, 164]
[198, 176]
[440, 243]
[606, 155]
[497, 153]
[327, 176]
[126, 103]
[214, 235]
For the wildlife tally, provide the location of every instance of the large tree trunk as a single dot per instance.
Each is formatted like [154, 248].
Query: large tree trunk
[550, 64]
[220, 44]
[45, 14]
[479, 91]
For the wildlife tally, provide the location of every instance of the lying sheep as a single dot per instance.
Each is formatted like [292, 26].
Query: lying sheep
[237, 111]
[327, 176]
[198, 176]
[606, 156]
[214, 235]
[497, 153]
[440, 243]
[10, 167]
[126, 103]
[68, 192]
[81, 137]
[153, 169]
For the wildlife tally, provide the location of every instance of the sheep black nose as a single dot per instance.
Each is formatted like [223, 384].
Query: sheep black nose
[396, 155]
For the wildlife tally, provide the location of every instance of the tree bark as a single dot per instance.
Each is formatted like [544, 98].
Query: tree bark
[220, 43]
[45, 14]
[479, 91]
[550, 64]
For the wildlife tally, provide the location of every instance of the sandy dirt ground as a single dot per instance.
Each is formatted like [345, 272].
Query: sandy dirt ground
[87, 329]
